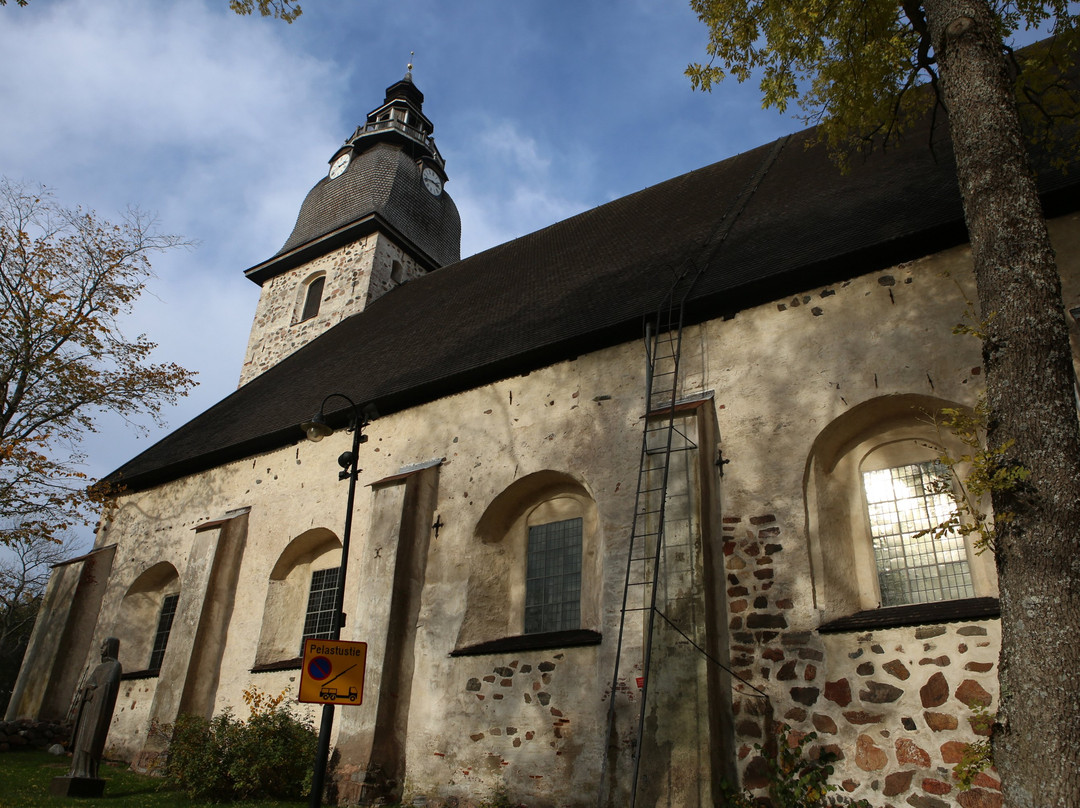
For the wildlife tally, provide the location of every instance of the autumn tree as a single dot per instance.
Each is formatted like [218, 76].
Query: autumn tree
[67, 278]
[855, 66]
[287, 10]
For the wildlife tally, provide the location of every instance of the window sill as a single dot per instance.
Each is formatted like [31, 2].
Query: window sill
[944, 611]
[293, 664]
[147, 674]
[531, 642]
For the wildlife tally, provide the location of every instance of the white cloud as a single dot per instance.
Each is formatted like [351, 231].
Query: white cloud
[507, 183]
[221, 124]
[217, 124]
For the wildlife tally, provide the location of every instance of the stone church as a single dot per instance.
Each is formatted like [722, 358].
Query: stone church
[634, 488]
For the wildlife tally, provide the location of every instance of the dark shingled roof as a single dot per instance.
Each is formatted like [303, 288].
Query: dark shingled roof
[383, 182]
[586, 283]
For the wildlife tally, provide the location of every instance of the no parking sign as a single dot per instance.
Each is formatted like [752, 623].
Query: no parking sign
[333, 672]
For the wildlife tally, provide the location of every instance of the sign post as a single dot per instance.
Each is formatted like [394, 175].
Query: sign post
[333, 672]
[317, 429]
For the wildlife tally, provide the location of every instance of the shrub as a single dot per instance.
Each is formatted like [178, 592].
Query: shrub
[796, 780]
[225, 758]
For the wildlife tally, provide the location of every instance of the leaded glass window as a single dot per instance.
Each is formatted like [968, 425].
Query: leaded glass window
[164, 627]
[553, 577]
[319, 621]
[903, 503]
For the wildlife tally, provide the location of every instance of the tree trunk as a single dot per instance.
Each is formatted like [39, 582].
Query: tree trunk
[1029, 384]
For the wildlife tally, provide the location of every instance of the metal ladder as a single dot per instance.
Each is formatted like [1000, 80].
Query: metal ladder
[661, 438]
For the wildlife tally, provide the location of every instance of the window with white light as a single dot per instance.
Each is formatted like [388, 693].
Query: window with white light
[915, 564]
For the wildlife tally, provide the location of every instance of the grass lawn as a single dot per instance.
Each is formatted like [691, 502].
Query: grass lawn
[25, 778]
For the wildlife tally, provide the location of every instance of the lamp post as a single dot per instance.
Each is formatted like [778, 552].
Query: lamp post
[317, 429]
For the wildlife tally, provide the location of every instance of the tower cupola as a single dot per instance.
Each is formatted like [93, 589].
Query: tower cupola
[399, 119]
[378, 218]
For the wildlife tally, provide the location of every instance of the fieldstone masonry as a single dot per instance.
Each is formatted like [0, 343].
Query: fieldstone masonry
[515, 715]
[28, 734]
[897, 705]
[356, 274]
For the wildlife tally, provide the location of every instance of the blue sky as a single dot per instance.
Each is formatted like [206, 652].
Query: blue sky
[219, 125]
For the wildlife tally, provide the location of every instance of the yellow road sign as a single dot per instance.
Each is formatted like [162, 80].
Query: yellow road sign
[333, 672]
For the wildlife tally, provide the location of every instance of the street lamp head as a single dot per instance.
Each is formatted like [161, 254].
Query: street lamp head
[316, 429]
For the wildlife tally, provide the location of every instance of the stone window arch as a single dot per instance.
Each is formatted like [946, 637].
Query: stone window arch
[140, 624]
[311, 295]
[894, 435]
[308, 555]
[547, 506]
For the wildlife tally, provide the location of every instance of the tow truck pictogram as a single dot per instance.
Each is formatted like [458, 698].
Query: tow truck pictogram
[331, 694]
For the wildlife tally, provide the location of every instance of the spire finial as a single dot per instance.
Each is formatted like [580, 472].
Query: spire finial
[408, 71]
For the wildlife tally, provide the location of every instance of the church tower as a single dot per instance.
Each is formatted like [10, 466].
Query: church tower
[379, 218]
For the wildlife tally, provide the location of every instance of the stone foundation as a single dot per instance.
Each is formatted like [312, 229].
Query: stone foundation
[24, 734]
[896, 705]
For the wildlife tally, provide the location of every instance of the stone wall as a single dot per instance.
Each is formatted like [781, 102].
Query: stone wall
[897, 705]
[355, 274]
[27, 734]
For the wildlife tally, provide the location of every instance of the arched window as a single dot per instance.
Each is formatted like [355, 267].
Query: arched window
[313, 298]
[299, 597]
[904, 504]
[873, 485]
[145, 619]
[539, 568]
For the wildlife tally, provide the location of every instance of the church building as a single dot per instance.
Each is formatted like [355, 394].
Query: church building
[634, 489]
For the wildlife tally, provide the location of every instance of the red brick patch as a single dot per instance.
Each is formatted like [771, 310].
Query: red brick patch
[932, 786]
[941, 661]
[897, 783]
[863, 717]
[979, 798]
[840, 692]
[973, 694]
[986, 781]
[939, 722]
[896, 668]
[907, 751]
[935, 692]
[868, 756]
[953, 751]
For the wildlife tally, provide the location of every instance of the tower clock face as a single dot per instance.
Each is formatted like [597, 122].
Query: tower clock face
[339, 166]
[432, 180]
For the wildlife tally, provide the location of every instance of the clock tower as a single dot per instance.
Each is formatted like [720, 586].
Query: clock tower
[380, 217]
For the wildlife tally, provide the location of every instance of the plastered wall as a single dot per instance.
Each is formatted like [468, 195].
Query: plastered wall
[895, 703]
